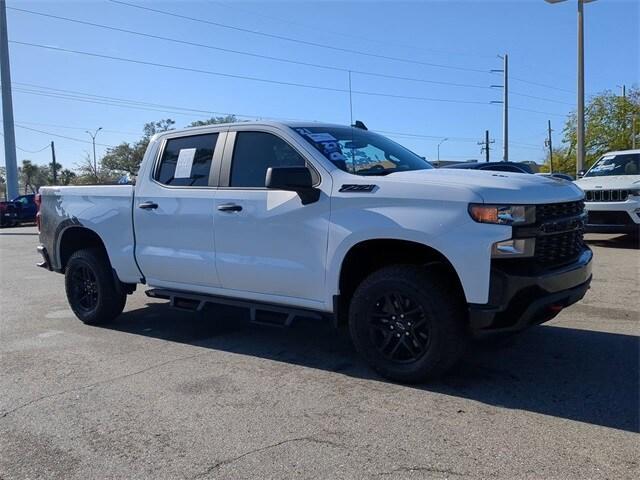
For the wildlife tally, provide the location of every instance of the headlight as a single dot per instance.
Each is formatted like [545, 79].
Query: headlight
[502, 214]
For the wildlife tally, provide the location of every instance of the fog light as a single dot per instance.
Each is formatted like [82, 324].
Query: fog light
[516, 247]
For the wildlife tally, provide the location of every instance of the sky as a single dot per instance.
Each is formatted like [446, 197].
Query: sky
[420, 69]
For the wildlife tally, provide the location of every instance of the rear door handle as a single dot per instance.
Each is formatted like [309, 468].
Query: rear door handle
[148, 206]
[230, 207]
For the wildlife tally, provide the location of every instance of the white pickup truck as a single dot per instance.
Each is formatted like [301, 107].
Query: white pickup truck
[324, 220]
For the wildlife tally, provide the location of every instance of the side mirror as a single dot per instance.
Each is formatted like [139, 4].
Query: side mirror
[294, 179]
[581, 173]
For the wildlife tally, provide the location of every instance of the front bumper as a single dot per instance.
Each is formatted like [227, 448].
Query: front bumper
[519, 299]
[613, 217]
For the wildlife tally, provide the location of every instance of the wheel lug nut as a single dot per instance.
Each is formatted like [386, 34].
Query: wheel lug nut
[397, 334]
[391, 327]
[393, 317]
[402, 316]
[409, 323]
[407, 334]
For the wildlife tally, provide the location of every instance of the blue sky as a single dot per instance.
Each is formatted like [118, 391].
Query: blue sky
[464, 38]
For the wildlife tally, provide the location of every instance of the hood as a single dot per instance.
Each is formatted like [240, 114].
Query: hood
[613, 182]
[497, 187]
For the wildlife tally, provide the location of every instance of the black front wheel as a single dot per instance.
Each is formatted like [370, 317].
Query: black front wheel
[91, 288]
[407, 323]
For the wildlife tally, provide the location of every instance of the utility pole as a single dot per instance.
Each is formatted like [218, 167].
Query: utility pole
[549, 144]
[505, 112]
[505, 104]
[633, 131]
[10, 159]
[54, 167]
[93, 140]
[486, 145]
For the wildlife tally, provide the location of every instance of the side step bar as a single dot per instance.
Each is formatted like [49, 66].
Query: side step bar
[259, 313]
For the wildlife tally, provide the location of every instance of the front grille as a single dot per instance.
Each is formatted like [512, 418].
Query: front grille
[609, 218]
[553, 211]
[560, 232]
[559, 248]
[606, 195]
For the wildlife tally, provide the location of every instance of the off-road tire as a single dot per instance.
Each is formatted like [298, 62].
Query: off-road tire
[91, 288]
[442, 310]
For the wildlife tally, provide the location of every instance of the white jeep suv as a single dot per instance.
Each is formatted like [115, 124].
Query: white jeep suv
[612, 193]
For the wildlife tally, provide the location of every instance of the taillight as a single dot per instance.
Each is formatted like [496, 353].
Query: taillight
[38, 201]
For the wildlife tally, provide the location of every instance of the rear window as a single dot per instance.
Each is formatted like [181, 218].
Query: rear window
[186, 161]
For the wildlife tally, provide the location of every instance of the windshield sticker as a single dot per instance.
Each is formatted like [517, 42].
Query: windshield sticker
[326, 143]
[185, 163]
[321, 137]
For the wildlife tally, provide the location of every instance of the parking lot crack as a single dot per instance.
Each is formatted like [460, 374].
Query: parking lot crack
[422, 469]
[228, 461]
[96, 384]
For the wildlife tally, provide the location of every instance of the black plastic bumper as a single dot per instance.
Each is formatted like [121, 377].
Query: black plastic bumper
[519, 299]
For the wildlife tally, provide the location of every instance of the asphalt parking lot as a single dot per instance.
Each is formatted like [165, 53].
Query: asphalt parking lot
[166, 394]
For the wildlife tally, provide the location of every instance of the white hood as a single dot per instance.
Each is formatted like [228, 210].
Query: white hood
[497, 187]
[613, 182]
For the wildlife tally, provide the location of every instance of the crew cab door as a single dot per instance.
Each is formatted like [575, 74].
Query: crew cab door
[267, 241]
[173, 213]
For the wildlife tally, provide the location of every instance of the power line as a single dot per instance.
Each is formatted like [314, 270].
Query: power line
[120, 132]
[148, 106]
[255, 55]
[347, 35]
[302, 42]
[544, 85]
[276, 59]
[60, 136]
[29, 151]
[246, 77]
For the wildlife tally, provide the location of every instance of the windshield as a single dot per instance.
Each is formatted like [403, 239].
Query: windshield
[361, 152]
[627, 164]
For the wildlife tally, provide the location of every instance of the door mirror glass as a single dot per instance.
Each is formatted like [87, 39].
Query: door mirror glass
[295, 179]
[581, 173]
[289, 178]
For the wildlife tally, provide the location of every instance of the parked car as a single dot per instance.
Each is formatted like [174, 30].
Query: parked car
[326, 221]
[21, 209]
[515, 167]
[612, 193]
[562, 176]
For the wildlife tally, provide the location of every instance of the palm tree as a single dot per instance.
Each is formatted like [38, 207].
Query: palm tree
[27, 174]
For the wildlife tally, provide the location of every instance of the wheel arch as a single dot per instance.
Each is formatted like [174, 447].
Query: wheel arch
[74, 238]
[367, 256]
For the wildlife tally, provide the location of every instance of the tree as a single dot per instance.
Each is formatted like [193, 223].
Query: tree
[66, 176]
[608, 127]
[28, 173]
[88, 175]
[126, 157]
[214, 121]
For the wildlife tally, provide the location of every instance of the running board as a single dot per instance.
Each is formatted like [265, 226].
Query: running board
[259, 313]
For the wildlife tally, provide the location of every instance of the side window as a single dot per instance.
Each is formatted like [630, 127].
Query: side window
[254, 153]
[186, 161]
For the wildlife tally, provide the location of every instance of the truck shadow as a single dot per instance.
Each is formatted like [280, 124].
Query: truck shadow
[627, 241]
[579, 375]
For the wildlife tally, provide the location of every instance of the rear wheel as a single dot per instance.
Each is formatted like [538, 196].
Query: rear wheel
[407, 323]
[91, 288]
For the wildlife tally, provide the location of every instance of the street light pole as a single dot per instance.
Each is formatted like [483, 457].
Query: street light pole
[580, 149]
[441, 142]
[93, 141]
[580, 132]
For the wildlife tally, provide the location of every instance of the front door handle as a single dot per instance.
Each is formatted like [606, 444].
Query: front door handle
[230, 207]
[148, 206]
